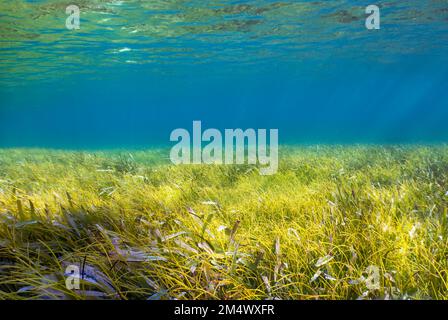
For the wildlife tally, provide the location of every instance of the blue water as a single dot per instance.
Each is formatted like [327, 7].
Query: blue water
[310, 69]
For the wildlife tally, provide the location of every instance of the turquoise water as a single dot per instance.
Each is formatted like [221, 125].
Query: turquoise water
[136, 70]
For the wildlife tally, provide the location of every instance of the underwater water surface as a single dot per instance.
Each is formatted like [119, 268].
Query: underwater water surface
[136, 70]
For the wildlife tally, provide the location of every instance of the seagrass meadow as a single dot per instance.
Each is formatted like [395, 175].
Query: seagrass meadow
[139, 227]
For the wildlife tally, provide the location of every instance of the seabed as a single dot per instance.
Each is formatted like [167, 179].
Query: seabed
[335, 222]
